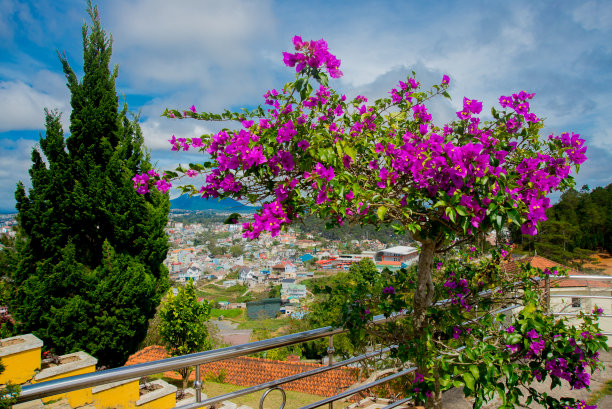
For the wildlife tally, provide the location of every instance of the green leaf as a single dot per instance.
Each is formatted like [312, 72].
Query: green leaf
[232, 218]
[474, 370]
[299, 84]
[513, 214]
[462, 210]
[452, 214]
[469, 380]
[380, 212]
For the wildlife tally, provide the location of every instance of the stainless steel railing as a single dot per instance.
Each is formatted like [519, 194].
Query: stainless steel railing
[549, 295]
[40, 390]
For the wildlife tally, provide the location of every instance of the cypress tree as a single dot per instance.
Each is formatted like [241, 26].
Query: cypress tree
[90, 272]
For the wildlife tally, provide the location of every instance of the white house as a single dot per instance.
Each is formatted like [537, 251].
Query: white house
[568, 295]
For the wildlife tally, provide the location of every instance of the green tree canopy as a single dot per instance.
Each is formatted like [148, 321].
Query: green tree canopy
[579, 224]
[90, 254]
[183, 327]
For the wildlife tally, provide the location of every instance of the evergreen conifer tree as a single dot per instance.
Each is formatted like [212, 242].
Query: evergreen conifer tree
[90, 270]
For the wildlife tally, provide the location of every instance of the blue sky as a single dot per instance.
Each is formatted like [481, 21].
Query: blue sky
[220, 54]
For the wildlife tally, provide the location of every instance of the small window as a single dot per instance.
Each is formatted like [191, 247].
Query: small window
[576, 302]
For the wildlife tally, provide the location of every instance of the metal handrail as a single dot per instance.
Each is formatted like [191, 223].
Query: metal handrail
[604, 297]
[72, 383]
[281, 381]
[39, 390]
[585, 277]
[353, 391]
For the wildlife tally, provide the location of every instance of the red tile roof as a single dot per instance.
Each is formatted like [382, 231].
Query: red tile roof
[247, 371]
[541, 262]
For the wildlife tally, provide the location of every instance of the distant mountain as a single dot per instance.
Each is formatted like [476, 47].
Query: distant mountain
[193, 203]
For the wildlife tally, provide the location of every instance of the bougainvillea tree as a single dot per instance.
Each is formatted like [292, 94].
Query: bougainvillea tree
[311, 150]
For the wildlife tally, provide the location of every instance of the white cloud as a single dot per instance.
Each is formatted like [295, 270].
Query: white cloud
[14, 167]
[162, 44]
[158, 131]
[22, 106]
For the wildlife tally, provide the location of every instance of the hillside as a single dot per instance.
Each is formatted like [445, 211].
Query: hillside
[195, 203]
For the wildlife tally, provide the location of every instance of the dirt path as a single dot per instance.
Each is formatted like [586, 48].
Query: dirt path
[602, 264]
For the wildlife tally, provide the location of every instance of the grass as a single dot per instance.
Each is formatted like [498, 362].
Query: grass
[273, 400]
[215, 293]
[235, 313]
[597, 395]
[270, 324]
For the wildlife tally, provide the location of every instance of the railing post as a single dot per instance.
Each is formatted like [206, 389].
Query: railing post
[330, 359]
[197, 383]
[547, 289]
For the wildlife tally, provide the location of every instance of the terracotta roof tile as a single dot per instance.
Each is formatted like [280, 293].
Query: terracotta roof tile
[541, 262]
[148, 354]
[248, 371]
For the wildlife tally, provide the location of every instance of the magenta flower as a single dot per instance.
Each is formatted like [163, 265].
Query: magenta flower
[445, 79]
[471, 105]
[537, 347]
[505, 101]
[163, 186]
[456, 332]
[346, 161]
[193, 109]
[289, 59]
[196, 142]
[532, 334]
[303, 145]
[513, 348]
[298, 43]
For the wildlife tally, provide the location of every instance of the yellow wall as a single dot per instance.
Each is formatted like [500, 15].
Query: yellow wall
[165, 402]
[21, 366]
[75, 398]
[120, 397]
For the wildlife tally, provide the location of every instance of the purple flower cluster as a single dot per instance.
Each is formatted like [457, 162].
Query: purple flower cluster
[458, 290]
[581, 405]
[271, 219]
[550, 272]
[537, 344]
[437, 163]
[575, 146]
[389, 290]
[141, 182]
[313, 54]
[577, 377]
[573, 369]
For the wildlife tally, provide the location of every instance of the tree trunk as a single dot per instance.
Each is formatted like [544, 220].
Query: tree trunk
[425, 288]
[185, 374]
[421, 302]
